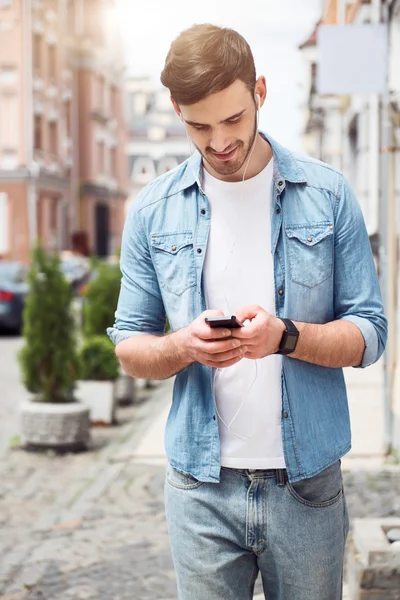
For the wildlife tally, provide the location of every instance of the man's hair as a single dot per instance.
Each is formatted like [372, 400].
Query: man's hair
[206, 59]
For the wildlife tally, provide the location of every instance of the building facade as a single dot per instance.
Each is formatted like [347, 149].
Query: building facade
[157, 140]
[360, 135]
[344, 130]
[63, 176]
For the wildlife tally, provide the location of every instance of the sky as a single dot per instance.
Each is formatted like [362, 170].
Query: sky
[273, 28]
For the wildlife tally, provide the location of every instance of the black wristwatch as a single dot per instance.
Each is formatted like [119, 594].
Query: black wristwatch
[289, 339]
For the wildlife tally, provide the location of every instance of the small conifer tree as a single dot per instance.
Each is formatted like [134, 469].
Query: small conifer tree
[49, 359]
[101, 299]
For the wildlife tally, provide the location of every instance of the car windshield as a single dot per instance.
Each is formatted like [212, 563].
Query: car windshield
[14, 272]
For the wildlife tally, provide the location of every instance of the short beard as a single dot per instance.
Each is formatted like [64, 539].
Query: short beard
[230, 170]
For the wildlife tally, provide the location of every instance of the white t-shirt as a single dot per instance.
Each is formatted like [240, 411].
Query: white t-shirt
[238, 271]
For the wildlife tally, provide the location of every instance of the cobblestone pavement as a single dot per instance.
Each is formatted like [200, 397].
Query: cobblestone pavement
[91, 525]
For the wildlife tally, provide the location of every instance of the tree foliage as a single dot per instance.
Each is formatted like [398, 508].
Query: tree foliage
[48, 358]
[101, 299]
[98, 360]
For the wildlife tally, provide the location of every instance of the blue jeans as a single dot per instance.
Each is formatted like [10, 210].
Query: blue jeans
[223, 534]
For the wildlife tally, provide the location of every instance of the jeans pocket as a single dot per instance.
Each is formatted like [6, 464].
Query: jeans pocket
[319, 491]
[310, 253]
[182, 481]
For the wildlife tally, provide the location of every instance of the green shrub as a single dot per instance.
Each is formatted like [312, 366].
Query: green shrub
[101, 299]
[97, 359]
[48, 358]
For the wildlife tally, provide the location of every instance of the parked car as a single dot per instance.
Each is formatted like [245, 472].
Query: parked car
[13, 291]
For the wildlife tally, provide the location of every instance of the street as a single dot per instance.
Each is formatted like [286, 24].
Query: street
[91, 525]
[12, 392]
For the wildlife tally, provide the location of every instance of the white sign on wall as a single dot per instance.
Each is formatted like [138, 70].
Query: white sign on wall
[3, 223]
[352, 59]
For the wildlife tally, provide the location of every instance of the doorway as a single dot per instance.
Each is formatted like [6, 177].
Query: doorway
[102, 220]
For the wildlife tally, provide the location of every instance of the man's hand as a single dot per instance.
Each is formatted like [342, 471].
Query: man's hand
[262, 335]
[208, 345]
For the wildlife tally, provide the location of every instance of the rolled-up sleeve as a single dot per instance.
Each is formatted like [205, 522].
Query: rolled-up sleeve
[357, 292]
[140, 307]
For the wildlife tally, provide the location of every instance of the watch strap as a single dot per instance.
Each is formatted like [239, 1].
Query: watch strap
[290, 326]
[289, 338]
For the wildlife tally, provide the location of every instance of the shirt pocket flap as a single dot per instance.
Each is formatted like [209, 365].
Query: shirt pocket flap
[172, 242]
[309, 234]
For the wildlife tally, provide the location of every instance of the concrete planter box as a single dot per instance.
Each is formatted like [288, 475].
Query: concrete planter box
[61, 427]
[99, 398]
[373, 563]
[125, 390]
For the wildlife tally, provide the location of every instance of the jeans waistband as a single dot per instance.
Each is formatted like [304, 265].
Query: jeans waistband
[280, 474]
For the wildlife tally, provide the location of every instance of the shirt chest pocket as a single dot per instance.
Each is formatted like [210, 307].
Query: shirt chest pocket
[173, 259]
[310, 252]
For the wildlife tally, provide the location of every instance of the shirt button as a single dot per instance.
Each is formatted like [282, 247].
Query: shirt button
[280, 292]
[203, 212]
[214, 417]
[173, 248]
[285, 414]
[278, 210]
[199, 251]
[309, 239]
[280, 183]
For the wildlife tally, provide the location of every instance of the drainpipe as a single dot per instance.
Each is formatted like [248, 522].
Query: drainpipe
[387, 252]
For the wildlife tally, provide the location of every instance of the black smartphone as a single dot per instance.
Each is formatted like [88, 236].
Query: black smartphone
[228, 322]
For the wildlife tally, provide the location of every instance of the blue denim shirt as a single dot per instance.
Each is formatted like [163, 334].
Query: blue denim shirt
[323, 270]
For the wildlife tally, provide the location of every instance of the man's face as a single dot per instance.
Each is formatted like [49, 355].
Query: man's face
[223, 128]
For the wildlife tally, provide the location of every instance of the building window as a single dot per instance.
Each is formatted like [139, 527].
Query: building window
[101, 157]
[37, 51]
[114, 101]
[37, 134]
[53, 141]
[9, 159]
[53, 213]
[67, 112]
[71, 17]
[143, 170]
[167, 164]
[113, 161]
[9, 121]
[8, 74]
[100, 92]
[52, 54]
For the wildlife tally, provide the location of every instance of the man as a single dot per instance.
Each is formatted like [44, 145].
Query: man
[259, 418]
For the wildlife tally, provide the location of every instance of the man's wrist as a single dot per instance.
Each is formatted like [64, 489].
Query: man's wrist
[180, 342]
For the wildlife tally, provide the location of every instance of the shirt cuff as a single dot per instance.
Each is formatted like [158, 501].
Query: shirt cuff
[370, 338]
[119, 335]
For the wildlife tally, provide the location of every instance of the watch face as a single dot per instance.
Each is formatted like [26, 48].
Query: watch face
[290, 342]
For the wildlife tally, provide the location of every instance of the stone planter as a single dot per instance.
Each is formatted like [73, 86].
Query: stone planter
[61, 427]
[98, 397]
[373, 563]
[124, 390]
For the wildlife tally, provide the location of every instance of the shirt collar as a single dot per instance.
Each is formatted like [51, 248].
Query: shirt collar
[286, 167]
